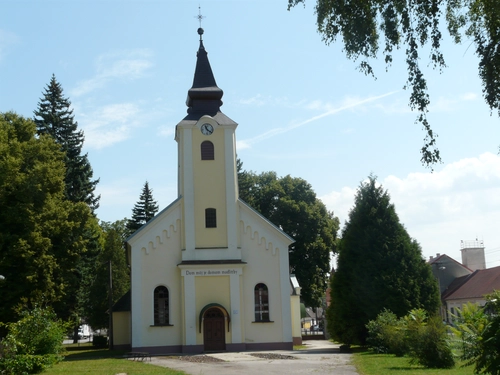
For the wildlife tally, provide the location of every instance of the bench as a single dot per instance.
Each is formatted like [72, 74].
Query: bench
[139, 356]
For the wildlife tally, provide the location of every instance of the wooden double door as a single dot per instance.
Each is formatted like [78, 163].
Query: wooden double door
[214, 337]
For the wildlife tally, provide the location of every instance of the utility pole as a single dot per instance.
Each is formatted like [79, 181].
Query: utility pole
[110, 307]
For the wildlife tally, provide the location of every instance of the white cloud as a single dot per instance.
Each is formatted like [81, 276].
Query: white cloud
[7, 39]
[469, 96]
[447, 104]
[328, 110]
[130, 64]
[166, 131]
[256, 100]
[460, 202]
[110, 124]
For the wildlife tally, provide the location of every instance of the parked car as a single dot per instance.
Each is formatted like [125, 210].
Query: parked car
[315, 328]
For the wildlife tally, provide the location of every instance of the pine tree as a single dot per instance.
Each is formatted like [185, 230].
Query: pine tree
[379, 267]
[144, 210]
[55, 118]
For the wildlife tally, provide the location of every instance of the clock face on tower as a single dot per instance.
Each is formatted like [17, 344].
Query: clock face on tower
[207, 129]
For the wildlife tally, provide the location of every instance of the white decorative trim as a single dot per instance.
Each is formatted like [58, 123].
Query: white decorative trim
[231, 188]
[160, 240]
[190, 310]
[234, 282]
[188, 193]
[261, 239]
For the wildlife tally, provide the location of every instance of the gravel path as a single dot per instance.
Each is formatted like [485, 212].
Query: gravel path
[320, 357]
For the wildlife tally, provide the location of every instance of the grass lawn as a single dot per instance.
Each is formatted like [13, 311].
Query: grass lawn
[368, 363]
[84, 360]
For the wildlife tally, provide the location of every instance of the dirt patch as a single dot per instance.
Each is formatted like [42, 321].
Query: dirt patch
[198, 358]
[271, 356]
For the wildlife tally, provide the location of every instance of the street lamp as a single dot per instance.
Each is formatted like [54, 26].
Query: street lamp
[441, 312]
[2, 277]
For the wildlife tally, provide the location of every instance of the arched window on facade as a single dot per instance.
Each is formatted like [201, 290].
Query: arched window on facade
[161, 306]
[210, 218]
[207, 150]
[261, 303]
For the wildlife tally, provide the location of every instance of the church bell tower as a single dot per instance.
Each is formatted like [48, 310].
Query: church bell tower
[207, 176]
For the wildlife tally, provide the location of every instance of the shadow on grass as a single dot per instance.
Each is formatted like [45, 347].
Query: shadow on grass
[409, 368]
[90, 353]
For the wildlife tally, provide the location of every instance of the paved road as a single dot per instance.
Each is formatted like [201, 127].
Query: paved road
[320, 357]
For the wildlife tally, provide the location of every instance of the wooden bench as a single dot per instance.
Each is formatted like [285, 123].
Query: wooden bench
[139, 356]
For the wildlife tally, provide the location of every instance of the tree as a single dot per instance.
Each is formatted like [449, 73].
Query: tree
[415, 24]
[144, 210]
[291, 204]
[97, 307]
[55, 118]
[42, 234]
[378, 267]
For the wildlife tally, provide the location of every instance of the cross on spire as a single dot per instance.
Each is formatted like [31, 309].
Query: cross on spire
[199, 16]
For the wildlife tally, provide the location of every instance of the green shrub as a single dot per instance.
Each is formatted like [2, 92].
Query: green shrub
[24, 364]
[99, 341]
[429, 345]
[32, 343]
[397, 342]
[387, 334]
[378, 339]
[478, 335]
[423, 339]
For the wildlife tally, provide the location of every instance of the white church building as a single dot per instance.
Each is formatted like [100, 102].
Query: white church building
[208, 273]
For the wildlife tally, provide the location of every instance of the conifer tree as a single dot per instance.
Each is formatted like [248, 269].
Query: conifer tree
[55, 118]
[379, 267]
[144, 210]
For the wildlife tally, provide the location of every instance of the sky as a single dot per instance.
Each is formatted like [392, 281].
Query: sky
[302, 107]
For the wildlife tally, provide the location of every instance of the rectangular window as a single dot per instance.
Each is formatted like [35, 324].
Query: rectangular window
[210, 218]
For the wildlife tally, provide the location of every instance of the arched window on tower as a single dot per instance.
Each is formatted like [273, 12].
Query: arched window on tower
[207, 150]
[210, 218]
[261, 303]
[161, 306]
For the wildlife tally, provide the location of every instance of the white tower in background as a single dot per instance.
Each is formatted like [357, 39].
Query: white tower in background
[473, 254]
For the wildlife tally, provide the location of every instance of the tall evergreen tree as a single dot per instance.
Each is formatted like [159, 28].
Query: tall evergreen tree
[379, 266]
[144, 210]
[55, 118]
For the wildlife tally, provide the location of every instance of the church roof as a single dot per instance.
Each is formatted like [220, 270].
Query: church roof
[204, 97]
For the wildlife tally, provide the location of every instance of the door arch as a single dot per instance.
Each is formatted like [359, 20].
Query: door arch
[214, 336]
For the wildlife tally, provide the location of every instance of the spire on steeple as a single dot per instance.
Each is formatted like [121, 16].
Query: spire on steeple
[204, 97]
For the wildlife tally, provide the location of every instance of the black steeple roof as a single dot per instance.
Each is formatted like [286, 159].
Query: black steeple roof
[204, 97]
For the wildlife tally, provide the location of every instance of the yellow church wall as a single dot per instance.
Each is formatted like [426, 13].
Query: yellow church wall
[121, 328]
[209, 190]
[296, 327]
[212, 289]
[159, 261]
[266, 272]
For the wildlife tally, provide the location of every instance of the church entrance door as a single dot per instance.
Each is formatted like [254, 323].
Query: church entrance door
[214, 338]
